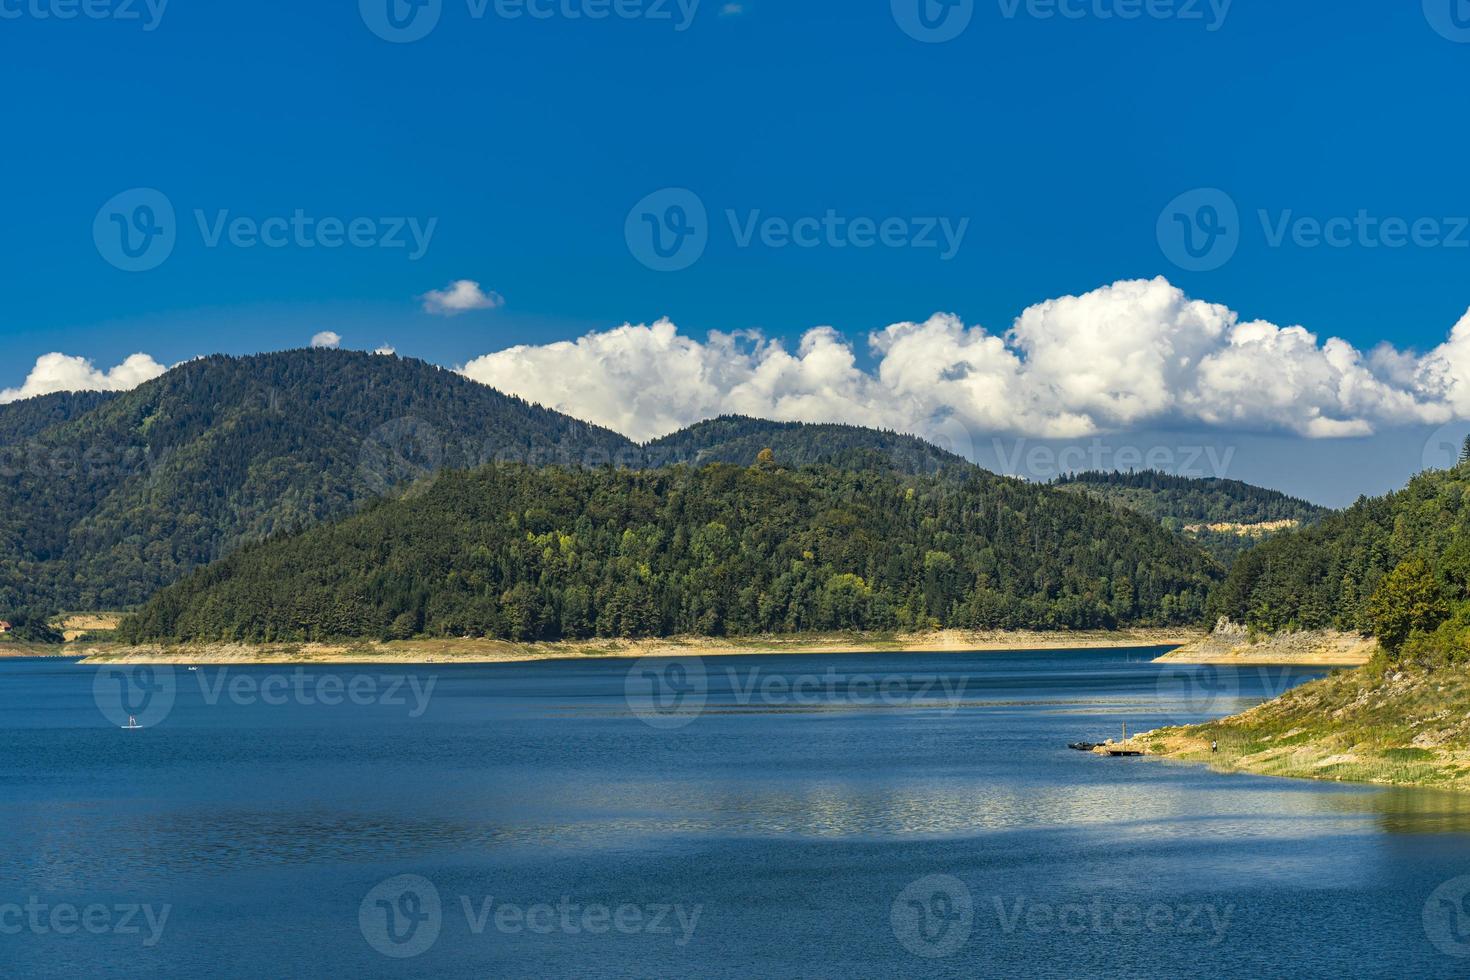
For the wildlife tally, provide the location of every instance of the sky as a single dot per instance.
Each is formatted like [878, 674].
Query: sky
[1077, 226]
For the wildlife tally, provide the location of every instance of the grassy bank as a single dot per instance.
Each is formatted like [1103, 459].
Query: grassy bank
[499, 651]
[1402, 727]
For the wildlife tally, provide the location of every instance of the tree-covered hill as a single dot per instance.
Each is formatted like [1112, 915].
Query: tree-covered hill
[1391, 566]
[31, 416]
[517, 552]
[99, 509]
[1225, 517]
[739, 440]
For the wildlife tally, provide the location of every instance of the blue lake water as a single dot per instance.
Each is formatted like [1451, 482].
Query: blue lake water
[855, 816]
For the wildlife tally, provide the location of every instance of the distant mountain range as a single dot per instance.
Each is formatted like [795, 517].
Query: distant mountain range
[521, 553]
[120, 495]
[105, 498]
[1225, 517]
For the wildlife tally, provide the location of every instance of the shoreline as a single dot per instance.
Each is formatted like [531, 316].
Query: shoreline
[505, 651]
[1228, 644]
[1407, 728]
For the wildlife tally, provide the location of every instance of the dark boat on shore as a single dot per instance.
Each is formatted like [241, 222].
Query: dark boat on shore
[1123, 749]
[1082, 746]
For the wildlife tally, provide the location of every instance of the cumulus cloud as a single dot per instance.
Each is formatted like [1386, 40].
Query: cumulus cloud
[62, 372]
[460, 296]
[1129, 354]
[385, 351]
[329, 339]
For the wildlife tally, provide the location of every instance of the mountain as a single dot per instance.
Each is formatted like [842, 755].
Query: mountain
[518, 552]
[123, 497]
[739, 440]
[1396, 567]
[1225, 517]
[29, 417]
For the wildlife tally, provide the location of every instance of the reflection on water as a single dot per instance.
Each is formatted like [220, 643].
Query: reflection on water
[1399, 810]
[799, 819]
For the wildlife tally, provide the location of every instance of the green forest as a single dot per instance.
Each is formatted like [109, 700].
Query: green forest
[515, 552]
[104, 499]
[1396, 567]
[1183, 503]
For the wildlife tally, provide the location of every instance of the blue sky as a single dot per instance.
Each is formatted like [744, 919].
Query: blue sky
[1057, 140]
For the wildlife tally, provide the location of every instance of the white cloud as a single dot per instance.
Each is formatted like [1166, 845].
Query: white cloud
[460, 296]
[385, 351]
[327, 338]
[61, 372]
[1130, 354]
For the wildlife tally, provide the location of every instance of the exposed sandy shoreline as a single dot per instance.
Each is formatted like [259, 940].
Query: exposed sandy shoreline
[1230, 644]
[502, 651]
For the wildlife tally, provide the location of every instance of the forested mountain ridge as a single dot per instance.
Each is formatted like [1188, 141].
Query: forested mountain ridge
[20, 420]
[1225, 517]
[739, 440]
[523, 553]
[1391, 566]
[107, 506]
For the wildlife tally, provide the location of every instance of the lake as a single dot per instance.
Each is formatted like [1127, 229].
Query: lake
[856, 816]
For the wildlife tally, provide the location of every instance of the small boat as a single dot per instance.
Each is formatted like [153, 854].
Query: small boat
[132, 724]
[1082, 746]
[1124, 750]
